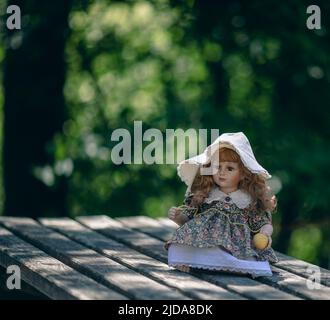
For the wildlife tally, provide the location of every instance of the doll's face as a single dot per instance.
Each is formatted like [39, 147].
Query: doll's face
[228, 176]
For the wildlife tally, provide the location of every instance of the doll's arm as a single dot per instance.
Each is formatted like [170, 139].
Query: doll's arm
[267, 230]
[262, 224]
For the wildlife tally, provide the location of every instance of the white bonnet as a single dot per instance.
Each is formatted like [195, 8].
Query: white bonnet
[187, 169]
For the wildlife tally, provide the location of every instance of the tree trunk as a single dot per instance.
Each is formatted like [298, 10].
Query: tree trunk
[34, 109]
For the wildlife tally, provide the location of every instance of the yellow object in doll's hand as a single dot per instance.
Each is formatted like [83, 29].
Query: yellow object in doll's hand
[260, 241]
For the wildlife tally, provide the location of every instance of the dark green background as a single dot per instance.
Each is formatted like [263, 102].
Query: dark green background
[77, 70]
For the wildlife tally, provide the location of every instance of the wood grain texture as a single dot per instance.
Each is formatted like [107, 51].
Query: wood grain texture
[47, 274]
[102, 269]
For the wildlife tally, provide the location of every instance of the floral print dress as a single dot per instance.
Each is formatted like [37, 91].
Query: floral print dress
[225, 221]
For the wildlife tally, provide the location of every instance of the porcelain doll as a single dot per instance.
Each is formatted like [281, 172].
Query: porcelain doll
[225, 222]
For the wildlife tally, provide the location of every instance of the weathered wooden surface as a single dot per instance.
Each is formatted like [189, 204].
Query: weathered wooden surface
[51, 277]
[97, 257]
[93, 264]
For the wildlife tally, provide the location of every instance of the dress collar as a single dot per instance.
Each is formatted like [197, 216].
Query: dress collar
[239, 197]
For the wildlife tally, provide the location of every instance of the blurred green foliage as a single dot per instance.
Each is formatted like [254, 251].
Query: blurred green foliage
[236, 66]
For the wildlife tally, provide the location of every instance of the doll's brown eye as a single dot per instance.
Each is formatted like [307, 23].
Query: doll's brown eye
[230, 168]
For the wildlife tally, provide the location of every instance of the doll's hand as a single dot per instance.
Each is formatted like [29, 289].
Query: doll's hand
[267, 230]
[269, 242]
[263, 240]
[175, 214]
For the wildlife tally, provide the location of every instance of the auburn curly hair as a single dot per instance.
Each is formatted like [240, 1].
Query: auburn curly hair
[252, 183]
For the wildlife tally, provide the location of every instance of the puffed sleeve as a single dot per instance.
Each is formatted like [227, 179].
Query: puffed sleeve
[257, 220]
[188, 209]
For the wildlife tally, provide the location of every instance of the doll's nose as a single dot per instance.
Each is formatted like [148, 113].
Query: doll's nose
[221, 171]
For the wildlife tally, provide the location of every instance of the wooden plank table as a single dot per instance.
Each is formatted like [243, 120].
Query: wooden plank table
[98, 257]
